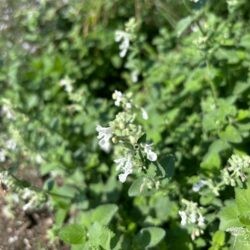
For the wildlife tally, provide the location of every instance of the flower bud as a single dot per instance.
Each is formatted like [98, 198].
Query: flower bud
[114, 139]
[132, 139]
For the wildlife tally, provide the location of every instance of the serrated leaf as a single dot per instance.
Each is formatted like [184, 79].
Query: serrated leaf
[231, 134]
[100, 235]
[242, 197]
[72, 234]
[104, 213]
[229, 216]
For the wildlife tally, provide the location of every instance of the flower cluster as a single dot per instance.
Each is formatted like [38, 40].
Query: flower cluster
[125, 133]
[192, 217]
[125, 37]
[7, 112]
[67, 84]
[104, 136]
[236, 171]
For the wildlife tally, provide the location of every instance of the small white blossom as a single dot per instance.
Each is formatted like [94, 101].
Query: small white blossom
[125, 165]
[67, 84]
[104, 136]
[11, 144]
[134, 76]
[118, 97]
[151, 156]
[236, 171]
[2, 156]
[27, 193]
[197, 186]
[123, 38]
[7, 112]
[183, 218]
[144, 114]
[196, 233]
[13, 239]
[201, 221]
[39, 159]
[191, 216]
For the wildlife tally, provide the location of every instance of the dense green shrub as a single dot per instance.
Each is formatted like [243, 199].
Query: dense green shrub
[187, 66]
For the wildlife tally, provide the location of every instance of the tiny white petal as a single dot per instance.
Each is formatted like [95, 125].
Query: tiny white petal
[201, 221]
[104, 136]
[183, 218]
[2, 156]
[197, 186]
[125, 165]
[144, 114]
[151, 156]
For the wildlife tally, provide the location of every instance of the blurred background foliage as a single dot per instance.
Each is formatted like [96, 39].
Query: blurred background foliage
[192, 62]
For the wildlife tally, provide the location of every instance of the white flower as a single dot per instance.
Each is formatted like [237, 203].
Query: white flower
[67, 84]
[7, 112]
[193, 217]
[197, 186]
[104, 136]
[2, 156]
[201, 221]
[123, 38]
[11, 144]
[144, 114]
[39, 159]
[117, 96]
[125, 165]
[183, 218]
[152, 156]
[134, 76]
[128, 105]
[27, 193]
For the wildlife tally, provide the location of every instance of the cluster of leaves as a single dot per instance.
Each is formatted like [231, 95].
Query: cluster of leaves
[191, 62]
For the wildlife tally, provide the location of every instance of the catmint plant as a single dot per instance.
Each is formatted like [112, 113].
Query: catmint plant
[125, 37]
[192, 218]
[236, 171]
[133, 155]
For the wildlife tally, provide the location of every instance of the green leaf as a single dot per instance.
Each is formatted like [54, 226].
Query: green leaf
[72, 234]
[100, 235]
[211, 160]
[242, 197]
[166, 166]
[150, 237]
[231, 134]
[136, 187]
[229, 216]
[142, 139]
[245, 219]
[183, 24]
[218, 240]
[104, 213]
